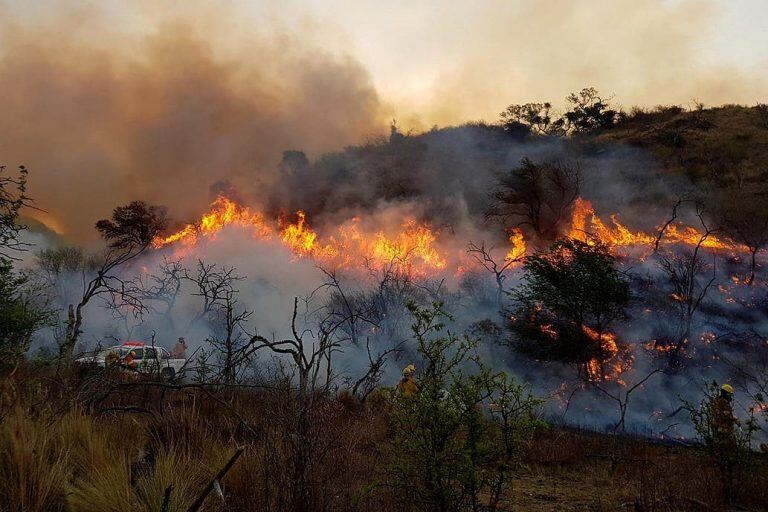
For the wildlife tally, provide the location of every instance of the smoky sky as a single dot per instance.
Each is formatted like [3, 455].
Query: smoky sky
[163, 114]
[108, 102]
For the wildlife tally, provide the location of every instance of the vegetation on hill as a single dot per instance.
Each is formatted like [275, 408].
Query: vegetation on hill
[271, 424]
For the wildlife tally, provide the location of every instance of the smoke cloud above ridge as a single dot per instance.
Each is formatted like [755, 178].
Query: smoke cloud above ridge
[109, 102]
[161, 114]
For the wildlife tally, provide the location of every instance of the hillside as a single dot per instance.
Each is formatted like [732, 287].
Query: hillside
[712, 144]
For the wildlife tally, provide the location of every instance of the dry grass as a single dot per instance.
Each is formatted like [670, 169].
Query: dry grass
[34, 468]
[60, 456]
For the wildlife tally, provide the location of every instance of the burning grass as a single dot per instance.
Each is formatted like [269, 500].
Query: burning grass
[416, 244]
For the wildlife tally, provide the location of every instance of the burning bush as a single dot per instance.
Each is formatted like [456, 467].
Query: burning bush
[570, 297]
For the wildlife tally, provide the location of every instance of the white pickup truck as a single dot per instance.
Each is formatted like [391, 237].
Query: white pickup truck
[140, 357]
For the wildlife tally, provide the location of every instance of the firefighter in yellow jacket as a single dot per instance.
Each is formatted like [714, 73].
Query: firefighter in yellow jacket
[723, 420]
[724, 445]
[407, 385]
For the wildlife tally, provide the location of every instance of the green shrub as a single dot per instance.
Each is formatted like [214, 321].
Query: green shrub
[455, 441]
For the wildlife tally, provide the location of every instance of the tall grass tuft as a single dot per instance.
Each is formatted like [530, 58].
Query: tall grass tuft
[106, 490]
[34, 468]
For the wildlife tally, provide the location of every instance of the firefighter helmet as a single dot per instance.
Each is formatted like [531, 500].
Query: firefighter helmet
[727, 388]
[409, 370]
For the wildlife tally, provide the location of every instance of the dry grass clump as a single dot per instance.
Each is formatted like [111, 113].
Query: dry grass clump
[34, 467]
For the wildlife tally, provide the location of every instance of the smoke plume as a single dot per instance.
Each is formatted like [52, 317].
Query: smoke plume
[105, 116]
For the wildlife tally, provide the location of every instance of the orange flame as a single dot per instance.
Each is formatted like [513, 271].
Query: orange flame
[413, 246]
[223, 212]
[587, 226]
[609, 366]
[517, 241]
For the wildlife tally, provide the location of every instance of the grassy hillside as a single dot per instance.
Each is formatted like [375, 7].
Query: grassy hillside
[715, 144]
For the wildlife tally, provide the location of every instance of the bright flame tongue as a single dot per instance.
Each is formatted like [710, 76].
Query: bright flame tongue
[517, 241]
[586, 226]
[223, 212]
[586, 223]
[413, 246]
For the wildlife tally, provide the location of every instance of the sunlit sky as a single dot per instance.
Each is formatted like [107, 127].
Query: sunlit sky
[449, 60]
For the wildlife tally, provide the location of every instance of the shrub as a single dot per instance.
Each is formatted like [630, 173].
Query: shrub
[446, 452]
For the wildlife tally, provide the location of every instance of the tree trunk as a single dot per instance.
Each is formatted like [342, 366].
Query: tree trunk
[752, 266]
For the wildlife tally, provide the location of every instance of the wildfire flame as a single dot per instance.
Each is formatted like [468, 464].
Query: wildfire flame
[517, 241]
[609, 366]
[413, 246]
[587, 226]
[223, 212]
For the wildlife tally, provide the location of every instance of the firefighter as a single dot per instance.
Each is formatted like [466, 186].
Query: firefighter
[128, 360]
[723, 420]
[407, 385]
[179, 350]
[724, 445]
[112, 358]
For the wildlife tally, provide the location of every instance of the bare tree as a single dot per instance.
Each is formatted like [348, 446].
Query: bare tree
[351, 306]
[621, 397]
[231, 340]
[536, 197]
[310, 350]
[128, 234]
[684, 273]
[212, 283]
[498, 269]
[672, 218]
[163, 286]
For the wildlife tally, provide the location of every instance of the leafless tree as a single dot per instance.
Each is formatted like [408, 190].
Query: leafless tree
[346, 304]
[163, 286]
[128, 234]
[310, 349]
[231, 340]
[212, 283]
[685, 273]
[672, 218]
[483, 255]
[621, 397]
